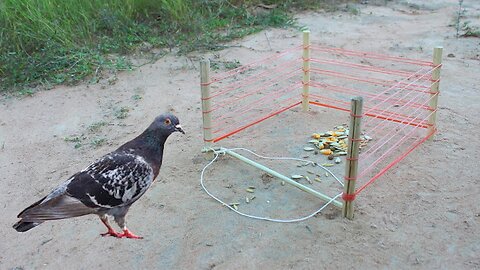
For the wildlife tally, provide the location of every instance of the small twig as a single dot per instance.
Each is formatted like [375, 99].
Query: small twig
[46, 241]
[268, 40]
[192, 62]
[460, 2]
[220, 46]
[96, 71]
[232, 5]
[155, 57]
[74, 64]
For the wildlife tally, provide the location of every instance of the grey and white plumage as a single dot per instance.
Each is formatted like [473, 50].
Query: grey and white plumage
[108, 186]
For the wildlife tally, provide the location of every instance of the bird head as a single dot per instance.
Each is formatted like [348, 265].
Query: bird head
[166, 124]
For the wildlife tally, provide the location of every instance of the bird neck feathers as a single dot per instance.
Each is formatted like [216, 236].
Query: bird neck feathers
[148, 144]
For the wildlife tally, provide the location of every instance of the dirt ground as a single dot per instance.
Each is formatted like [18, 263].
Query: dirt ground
[422, 214]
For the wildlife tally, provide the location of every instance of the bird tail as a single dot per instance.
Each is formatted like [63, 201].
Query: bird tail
[60, 207]
[23, 226]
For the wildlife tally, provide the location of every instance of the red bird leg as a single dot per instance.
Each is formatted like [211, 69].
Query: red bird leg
[120, 219]
[111, 231]
[128, 234]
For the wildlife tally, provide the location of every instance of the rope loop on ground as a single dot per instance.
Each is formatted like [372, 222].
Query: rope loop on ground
[219, 151]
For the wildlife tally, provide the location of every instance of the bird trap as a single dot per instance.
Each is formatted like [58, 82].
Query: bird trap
[392, 99]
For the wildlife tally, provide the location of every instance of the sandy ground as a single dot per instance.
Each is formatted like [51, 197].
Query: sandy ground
[420, 215]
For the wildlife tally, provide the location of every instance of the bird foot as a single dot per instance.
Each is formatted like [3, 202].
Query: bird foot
[128, 234]
[111, 233]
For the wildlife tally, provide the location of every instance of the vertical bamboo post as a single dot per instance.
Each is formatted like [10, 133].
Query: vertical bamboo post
[351, 164]
[206, 106]
[434, 89]
[306, 69]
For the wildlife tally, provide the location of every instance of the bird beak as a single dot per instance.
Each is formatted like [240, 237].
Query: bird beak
[179, 129]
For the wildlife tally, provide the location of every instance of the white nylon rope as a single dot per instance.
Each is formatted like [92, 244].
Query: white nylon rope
[222, 151]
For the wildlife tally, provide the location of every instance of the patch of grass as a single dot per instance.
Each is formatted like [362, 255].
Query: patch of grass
[72, 139]
[66, 41]
[97, 142]
[95, 127]
[353, 10]
[215, 65]
[224, 22]
[75, 139]
[136, 97]
[470, 31]
[464, 29]
[122, 112]
[26, 92]
[232, 64]
[87, 139]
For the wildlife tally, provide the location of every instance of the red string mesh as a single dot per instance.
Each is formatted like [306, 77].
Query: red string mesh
[396, 90]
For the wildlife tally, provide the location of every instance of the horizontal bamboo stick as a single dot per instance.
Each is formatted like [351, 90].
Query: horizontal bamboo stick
[284, 178]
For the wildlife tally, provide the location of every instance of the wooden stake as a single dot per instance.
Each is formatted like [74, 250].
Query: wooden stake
[306, 69]
[437, 60]
[206, 106]
[351, 164]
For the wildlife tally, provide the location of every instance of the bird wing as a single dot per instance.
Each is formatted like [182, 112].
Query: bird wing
[115, 180]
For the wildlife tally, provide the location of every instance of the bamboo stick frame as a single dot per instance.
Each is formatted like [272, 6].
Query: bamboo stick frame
[356, 112]
[351, 164]
[206, 106]
[306, 70]
[434, 90]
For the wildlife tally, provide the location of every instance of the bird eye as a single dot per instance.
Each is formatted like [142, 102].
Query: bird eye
[167, 121]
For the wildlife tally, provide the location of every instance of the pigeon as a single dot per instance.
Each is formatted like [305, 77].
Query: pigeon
[108, 186]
